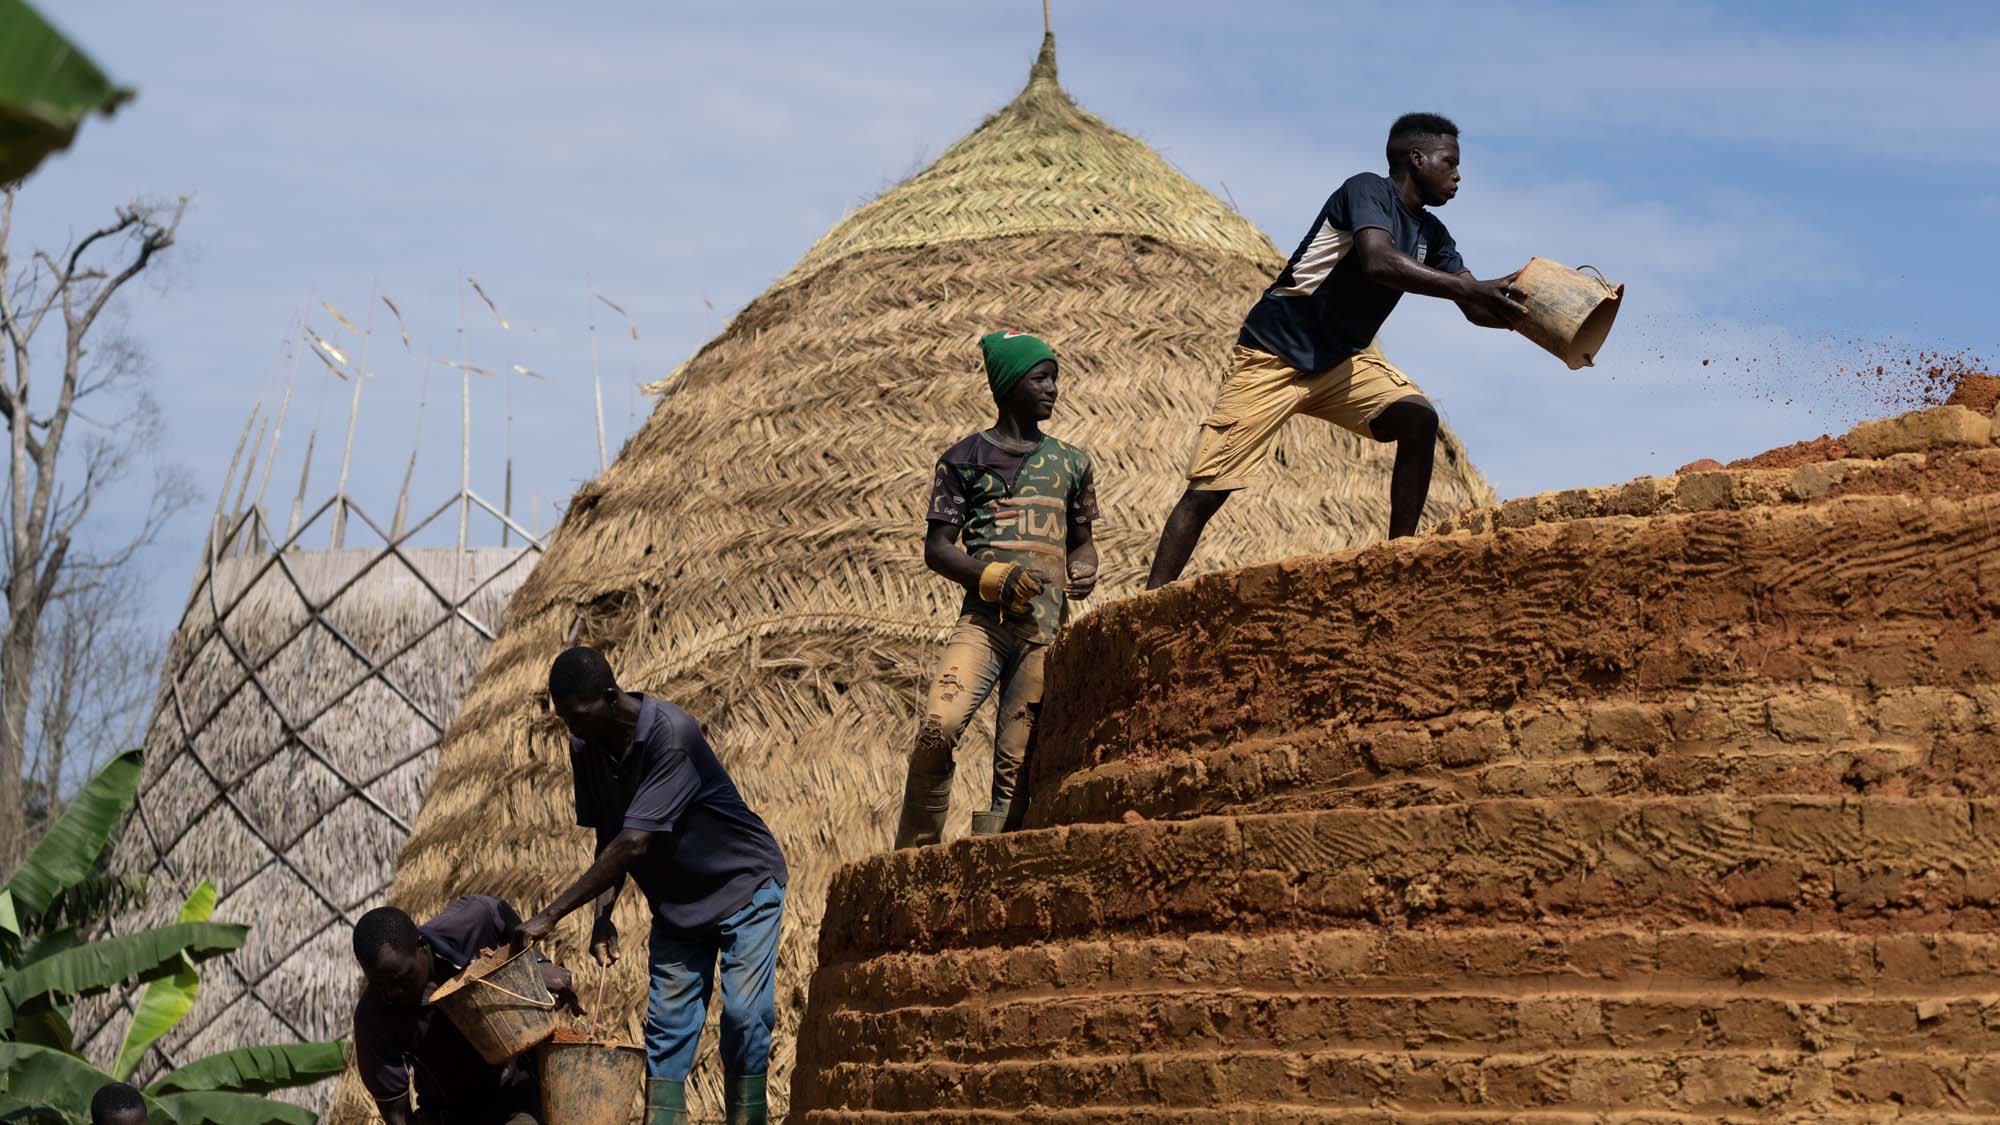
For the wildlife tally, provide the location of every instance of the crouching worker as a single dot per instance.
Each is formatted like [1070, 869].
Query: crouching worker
[1023, 504]
[402, 1044]
[667, 814]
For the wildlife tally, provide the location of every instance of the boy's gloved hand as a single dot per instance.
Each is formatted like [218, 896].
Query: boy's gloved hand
[1010, 586]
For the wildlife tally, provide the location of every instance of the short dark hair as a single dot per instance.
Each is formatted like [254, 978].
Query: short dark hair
[1411, 128]
[112, 1099]
[384, 925]
[580, 671]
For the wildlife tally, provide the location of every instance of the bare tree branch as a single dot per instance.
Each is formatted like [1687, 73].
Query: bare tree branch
[54, 575]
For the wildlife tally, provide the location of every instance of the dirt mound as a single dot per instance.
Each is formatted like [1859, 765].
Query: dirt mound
[1821, 448]
[1669, 800]
[1924, 379]
[1978, 393]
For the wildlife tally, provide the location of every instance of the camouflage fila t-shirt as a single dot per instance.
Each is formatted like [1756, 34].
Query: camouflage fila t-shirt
[1016, 505]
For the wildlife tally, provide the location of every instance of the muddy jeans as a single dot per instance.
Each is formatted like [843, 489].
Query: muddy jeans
[980, 655]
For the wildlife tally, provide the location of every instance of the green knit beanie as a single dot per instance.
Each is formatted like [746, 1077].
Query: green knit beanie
[1009, 355]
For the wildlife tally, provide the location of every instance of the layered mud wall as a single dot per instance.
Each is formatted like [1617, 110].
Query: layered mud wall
[1668, 801]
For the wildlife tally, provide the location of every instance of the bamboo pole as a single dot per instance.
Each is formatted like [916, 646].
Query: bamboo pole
[464, 444]
[353, 414]
[596, 383]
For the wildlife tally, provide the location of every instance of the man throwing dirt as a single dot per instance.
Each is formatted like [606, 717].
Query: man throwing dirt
[1308, 345]
[666, 813]
[1023, 504]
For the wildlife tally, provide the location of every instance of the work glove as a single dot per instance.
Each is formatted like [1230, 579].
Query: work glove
[1010, 586]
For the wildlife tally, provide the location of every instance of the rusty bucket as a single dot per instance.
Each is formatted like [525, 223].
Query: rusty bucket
[502, 1010]
[1569, 311]
[590, 1082]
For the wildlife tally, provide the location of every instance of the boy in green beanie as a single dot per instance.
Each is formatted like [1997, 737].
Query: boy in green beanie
[1023, 505]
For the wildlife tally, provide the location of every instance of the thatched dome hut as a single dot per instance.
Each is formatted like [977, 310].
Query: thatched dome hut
[755, 551]
[301, 704]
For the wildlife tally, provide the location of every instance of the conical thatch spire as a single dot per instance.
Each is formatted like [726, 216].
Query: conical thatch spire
[1018, 173]
[755, 553]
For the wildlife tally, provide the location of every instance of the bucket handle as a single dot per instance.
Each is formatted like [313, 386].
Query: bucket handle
[528, 1000]
[1601, 279]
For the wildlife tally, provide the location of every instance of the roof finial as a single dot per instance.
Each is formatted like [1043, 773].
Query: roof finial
[1044, 69]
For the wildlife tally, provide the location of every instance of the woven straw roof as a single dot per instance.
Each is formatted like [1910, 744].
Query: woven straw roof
[1019, 173]
[301, 704]
[755, 552]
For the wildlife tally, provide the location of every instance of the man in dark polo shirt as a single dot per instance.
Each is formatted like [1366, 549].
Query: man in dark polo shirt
[1307, 346]
[666, 813]
[399, 1036]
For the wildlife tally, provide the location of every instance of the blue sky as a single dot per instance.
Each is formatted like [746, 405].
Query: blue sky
[1788, 182]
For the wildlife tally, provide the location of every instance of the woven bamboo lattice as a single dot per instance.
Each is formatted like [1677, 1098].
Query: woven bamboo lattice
[300, 708]
[755, 552]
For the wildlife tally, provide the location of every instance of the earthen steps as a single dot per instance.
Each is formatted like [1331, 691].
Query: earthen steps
[1712, 1082]
[1734, 603]
[1520, 961]
[1443, 1023]
[1774, 862]
[1661, 803]
[1295, 1114]
[1909, 741]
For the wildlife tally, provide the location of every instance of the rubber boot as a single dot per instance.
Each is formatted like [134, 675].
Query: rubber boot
[992, 821]
[926, 801]
[743, 1100]
[666, 1102]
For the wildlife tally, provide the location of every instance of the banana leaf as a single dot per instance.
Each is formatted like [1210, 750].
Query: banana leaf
[98, 896]
[67, 855]
[42, 1076]
[42, 1021]
[212, 1107]
[47, 88]
[168, 999]
[103, 965]
[47, 943]
[255, 1070]
[15, 1111]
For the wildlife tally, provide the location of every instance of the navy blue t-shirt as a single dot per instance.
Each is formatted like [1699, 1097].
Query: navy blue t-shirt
[709, 853]
[1321, 310]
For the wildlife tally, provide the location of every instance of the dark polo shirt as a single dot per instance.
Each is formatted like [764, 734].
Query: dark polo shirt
[709, 852]
[393, 1042]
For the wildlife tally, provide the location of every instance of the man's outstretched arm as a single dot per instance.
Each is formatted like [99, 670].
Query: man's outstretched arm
[1390, 268]
[604, 873]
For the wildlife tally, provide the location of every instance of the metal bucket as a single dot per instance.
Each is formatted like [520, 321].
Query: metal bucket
[591, 1083]
[502, 1011]
[1569, 311]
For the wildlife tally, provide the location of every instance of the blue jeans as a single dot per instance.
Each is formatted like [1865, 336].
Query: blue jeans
[683, 969]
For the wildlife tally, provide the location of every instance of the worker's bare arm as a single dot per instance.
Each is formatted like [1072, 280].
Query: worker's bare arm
[604, 874]
[1082, 561]
[944, 556]
[1384, 265]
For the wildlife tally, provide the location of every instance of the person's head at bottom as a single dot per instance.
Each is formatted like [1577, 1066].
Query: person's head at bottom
[394, 955]
[117, 1104]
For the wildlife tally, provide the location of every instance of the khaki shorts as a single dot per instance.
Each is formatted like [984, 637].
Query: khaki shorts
[1263, 391]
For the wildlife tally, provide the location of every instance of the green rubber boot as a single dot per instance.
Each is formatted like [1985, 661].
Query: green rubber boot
[743, 1100]
[992, 821]
[666, 1102]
